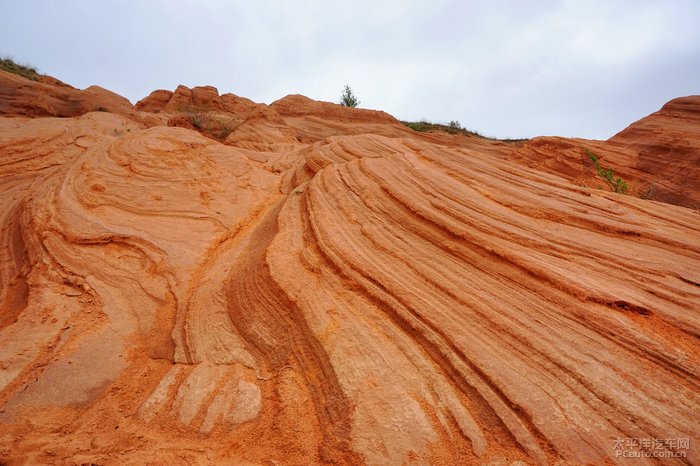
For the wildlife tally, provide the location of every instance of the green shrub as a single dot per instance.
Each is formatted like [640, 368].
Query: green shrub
[453, 127]
[200, 117]
[226, 128]
[26, 71]
[616, 184]
[419, 126]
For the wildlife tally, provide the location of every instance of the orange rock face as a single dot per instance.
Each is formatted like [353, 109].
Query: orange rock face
[668, 144]
[322, 285]
[659, 155]
[50, 97]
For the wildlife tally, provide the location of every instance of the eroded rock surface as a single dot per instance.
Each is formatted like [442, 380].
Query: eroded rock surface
[325, 286]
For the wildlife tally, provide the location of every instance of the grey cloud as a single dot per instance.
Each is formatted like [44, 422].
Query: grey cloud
[506, 68]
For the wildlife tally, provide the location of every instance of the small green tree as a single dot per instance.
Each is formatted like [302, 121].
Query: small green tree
[348, 99]
[454, 127]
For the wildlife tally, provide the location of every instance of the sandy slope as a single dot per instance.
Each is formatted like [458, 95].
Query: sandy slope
[324, 285]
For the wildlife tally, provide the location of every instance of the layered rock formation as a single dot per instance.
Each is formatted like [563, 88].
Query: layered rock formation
[659, 155]
[319, 285]
[50, 97]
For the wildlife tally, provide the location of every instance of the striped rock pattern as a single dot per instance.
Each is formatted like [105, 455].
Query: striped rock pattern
[333, 289]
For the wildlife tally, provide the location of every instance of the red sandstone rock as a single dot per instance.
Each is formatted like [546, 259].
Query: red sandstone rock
[299, 105]
[668, 144]
[155, 102]
[202, 97]
[330, 287]
[22, 97]
[659, 155]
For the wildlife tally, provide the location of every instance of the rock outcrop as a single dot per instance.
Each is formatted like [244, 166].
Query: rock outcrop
[202, 97]
[658, 155]
[50, 97]
[668, 144]
[325, 286]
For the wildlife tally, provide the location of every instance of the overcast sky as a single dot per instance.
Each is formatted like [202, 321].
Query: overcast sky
[507, 68]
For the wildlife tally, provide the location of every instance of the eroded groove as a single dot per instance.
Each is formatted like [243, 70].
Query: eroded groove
[279, 334]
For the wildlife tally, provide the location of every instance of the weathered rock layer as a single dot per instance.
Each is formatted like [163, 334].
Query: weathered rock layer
[324, 285]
